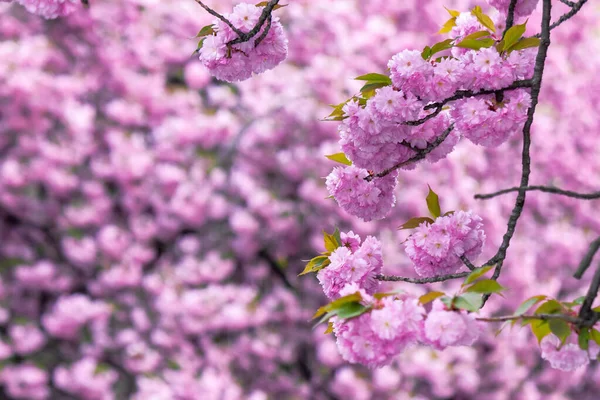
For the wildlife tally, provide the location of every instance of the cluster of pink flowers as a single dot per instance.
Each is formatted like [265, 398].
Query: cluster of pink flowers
[352, 263]
[522, 9]
[238, 62]
[393, 322]
[374, 134]
[49, 8]
[86, 380]
[567, 357]
[368, 200]
[435, 249]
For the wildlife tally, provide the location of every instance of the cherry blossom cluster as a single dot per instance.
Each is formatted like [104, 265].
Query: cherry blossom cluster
[49, 9]
[378, 133]
[567, 357]
[352, 263]
[238, 62]
[435, 248]
[523, 8]
[392, 323]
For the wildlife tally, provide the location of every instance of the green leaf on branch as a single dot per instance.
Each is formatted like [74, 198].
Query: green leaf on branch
[329, 328]
[527, 304]
[375, 78]
[441, 46]
[583, 339]
[447, 27]
[340, 158]
[477, 273]
[426, 53]
[383, 295]
[525, 43]
[453, 13]
[338, 113]
[468, 301]
[476, 44]
[316, 264]
[433, 203]
[560, 328]
[371, 87]
[205, 31]
[332, 241]
[336, 304]
[549, 307]
[429, 297]
[351, 310]
[276, 7]
[513, 35]
[477, 35]
[448, 301]
[540, 329]
[415, 222]
[485, 286]
[577, 302]
[483, 18]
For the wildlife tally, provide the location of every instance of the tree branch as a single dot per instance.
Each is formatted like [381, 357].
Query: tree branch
[587, 259]
[542, 317]
[538, 73]
[441, 278]
[421, 154]
[586, 313]
[546, 189]
[467, 262]
[510, 17]
[568, 15]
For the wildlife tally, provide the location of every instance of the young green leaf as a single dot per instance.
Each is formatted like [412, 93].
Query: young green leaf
[526, 43]
[351, 310]
[549, 307]
[441, 46]
[477, 272]
[447, 27]
[371, 86]
[265, 3]
[375, 78]
[476, 44]
[540, 329]
[595, 335]
[331, 243]
[527, 304]
[477, 35]
[205, 31]
[426, 53]
[485, 286]
[316, 264]
[469, 301]
[453, 13]
[583, 339]
[336, 304]
[415, 222]
[429, 297]
[513, 35]
[433, 203]
[560, 328]
[329, 328]
[483, 18]
[340, 158]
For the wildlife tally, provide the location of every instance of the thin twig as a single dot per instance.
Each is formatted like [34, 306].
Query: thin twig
[441, 278]
[586, 313]
[587, 259]
[467, 262]
[266, 13]
[421, 154]
[566, 16]
[462, 94]
[542, 317]
[546, 189]
[510, 17]
[538, 73]
[265, 32]
[222, 18]
[569, 3]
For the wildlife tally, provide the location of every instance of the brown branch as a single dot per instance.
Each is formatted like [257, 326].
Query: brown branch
[542, 317]
[587, 259]
[546, 189]
[441, 278]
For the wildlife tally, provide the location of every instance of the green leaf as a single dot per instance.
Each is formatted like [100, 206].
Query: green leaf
[540, 329]
[447, 27]
[560, 328]
[441, 46]
[433, 203]
[595, 335]
[453, 13]
[469, 301]
[331, 241]
[448, 301]
[583, 339]
[477, 35]
[338, 113]
[526, 43]
[101, 368]
[380, 296]
[527, 304]
[375, 78]
[549, 307]
[485, 286]
[337, 236]
[415, 222]
[476, 44]
[577, 302]
[426, 53]
[429, 297]
[477, 272]
[371, 86]
[10, 262]
[329, 328]
[351, 310]
[513, 35]
[173, 365]
[205, 31]
[340, 158]
[265, 3]
[316, 264]
[336, 304]
[75, 233]
[483, 19]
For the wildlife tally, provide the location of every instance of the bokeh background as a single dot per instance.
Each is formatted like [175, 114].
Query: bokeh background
[153, 220]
